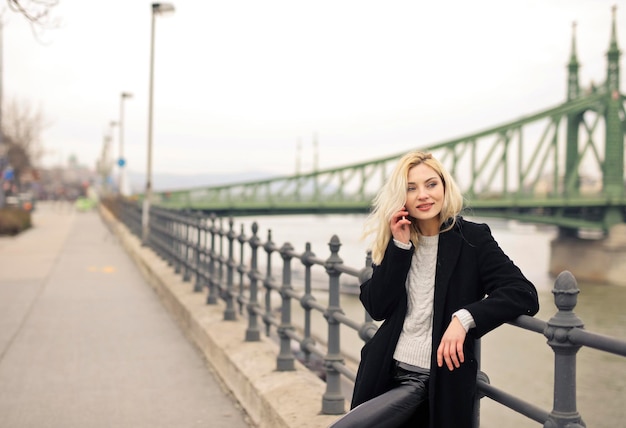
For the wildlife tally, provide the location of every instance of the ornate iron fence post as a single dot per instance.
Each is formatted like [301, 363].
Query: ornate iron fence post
[150, 223]
[269, 248]
[285, 360]
[169, 239]
[197, 287]
[229, 312]
[205, 253]
[212, 297]
[186, 219]
[252, 332]
[480, 376]
[177, 238]
[564, 413]
[241, 269]
[221, 261]
[333, 400]
[158, 220]
[306, 300]
[368, 328]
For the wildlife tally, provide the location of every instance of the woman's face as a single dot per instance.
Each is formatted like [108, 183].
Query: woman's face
[424, 198]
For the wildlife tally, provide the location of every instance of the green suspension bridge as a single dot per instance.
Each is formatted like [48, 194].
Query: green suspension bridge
[562, 166]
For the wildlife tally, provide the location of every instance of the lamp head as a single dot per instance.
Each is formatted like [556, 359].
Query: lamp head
[162, 8]
[127, 95]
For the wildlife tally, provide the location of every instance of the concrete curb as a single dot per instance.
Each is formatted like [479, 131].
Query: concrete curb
[272, 399]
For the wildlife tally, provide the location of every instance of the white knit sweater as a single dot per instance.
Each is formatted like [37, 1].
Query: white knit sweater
[415, 343]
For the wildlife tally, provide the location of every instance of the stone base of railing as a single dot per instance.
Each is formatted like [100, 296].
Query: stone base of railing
[595, 261]
[270, 398]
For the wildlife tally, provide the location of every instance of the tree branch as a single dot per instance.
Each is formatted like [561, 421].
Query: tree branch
[36, 11]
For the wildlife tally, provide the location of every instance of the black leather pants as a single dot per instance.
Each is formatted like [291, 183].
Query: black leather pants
[394, 407]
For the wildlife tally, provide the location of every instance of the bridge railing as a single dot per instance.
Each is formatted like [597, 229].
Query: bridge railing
[227, 264]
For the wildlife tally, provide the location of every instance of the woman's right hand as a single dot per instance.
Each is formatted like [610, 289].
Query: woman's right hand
[401, 226]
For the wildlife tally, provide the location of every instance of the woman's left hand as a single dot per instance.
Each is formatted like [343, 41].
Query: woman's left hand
[450, 349]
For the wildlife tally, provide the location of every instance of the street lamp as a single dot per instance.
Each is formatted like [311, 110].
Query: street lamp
[157, 8]
[121, 162]
[106, 163]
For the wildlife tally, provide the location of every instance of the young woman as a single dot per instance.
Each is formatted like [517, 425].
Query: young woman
[439, 282]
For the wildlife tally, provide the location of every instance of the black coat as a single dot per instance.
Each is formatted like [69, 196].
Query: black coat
[470, 266]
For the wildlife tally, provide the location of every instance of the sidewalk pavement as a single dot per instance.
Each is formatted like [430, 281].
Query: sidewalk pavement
[85, 341]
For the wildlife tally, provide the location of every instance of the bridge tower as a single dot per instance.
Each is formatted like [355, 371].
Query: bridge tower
[602, 260]
[613, 172]
[571, 180]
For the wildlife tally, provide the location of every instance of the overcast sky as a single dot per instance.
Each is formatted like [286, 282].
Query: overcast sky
[239, 83]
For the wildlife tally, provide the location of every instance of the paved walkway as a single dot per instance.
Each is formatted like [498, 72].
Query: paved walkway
[85, 342]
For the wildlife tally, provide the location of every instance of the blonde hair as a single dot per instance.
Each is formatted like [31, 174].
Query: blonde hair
[392, 197]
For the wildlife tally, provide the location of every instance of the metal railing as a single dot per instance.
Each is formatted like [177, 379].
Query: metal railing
[199, 246]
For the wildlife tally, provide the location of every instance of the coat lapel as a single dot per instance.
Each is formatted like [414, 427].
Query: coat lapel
[447, 256]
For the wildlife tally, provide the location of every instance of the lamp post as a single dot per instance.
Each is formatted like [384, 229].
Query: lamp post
[106, 162]
[121, 162]
[3, 149]
[157, 8]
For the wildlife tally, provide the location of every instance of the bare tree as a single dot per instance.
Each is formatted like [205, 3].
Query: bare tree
[22, 126]
[18, 159]
[19, 134]
[36, 11]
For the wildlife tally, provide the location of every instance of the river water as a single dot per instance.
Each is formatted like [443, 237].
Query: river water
[517, 361]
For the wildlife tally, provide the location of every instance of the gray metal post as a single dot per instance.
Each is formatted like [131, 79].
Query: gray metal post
[3, 161]
[368, 328]
[186, 245]
[241, 269]
[169, 243]
[480, 376]
[253, 333]
[564, 413]
[267, 316]
[145, 212]
[157, 8]
[197, 286]
[121, 160]
[229, 312]
[158, 238]
[306, 299]
[178, 248]
[364, 275]
[221, 260]
[333, 400]
[285, 360]
[212, 297]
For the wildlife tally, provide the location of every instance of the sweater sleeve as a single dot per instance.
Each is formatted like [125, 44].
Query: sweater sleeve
[382, 293]
[508, 293]
[466, 319]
